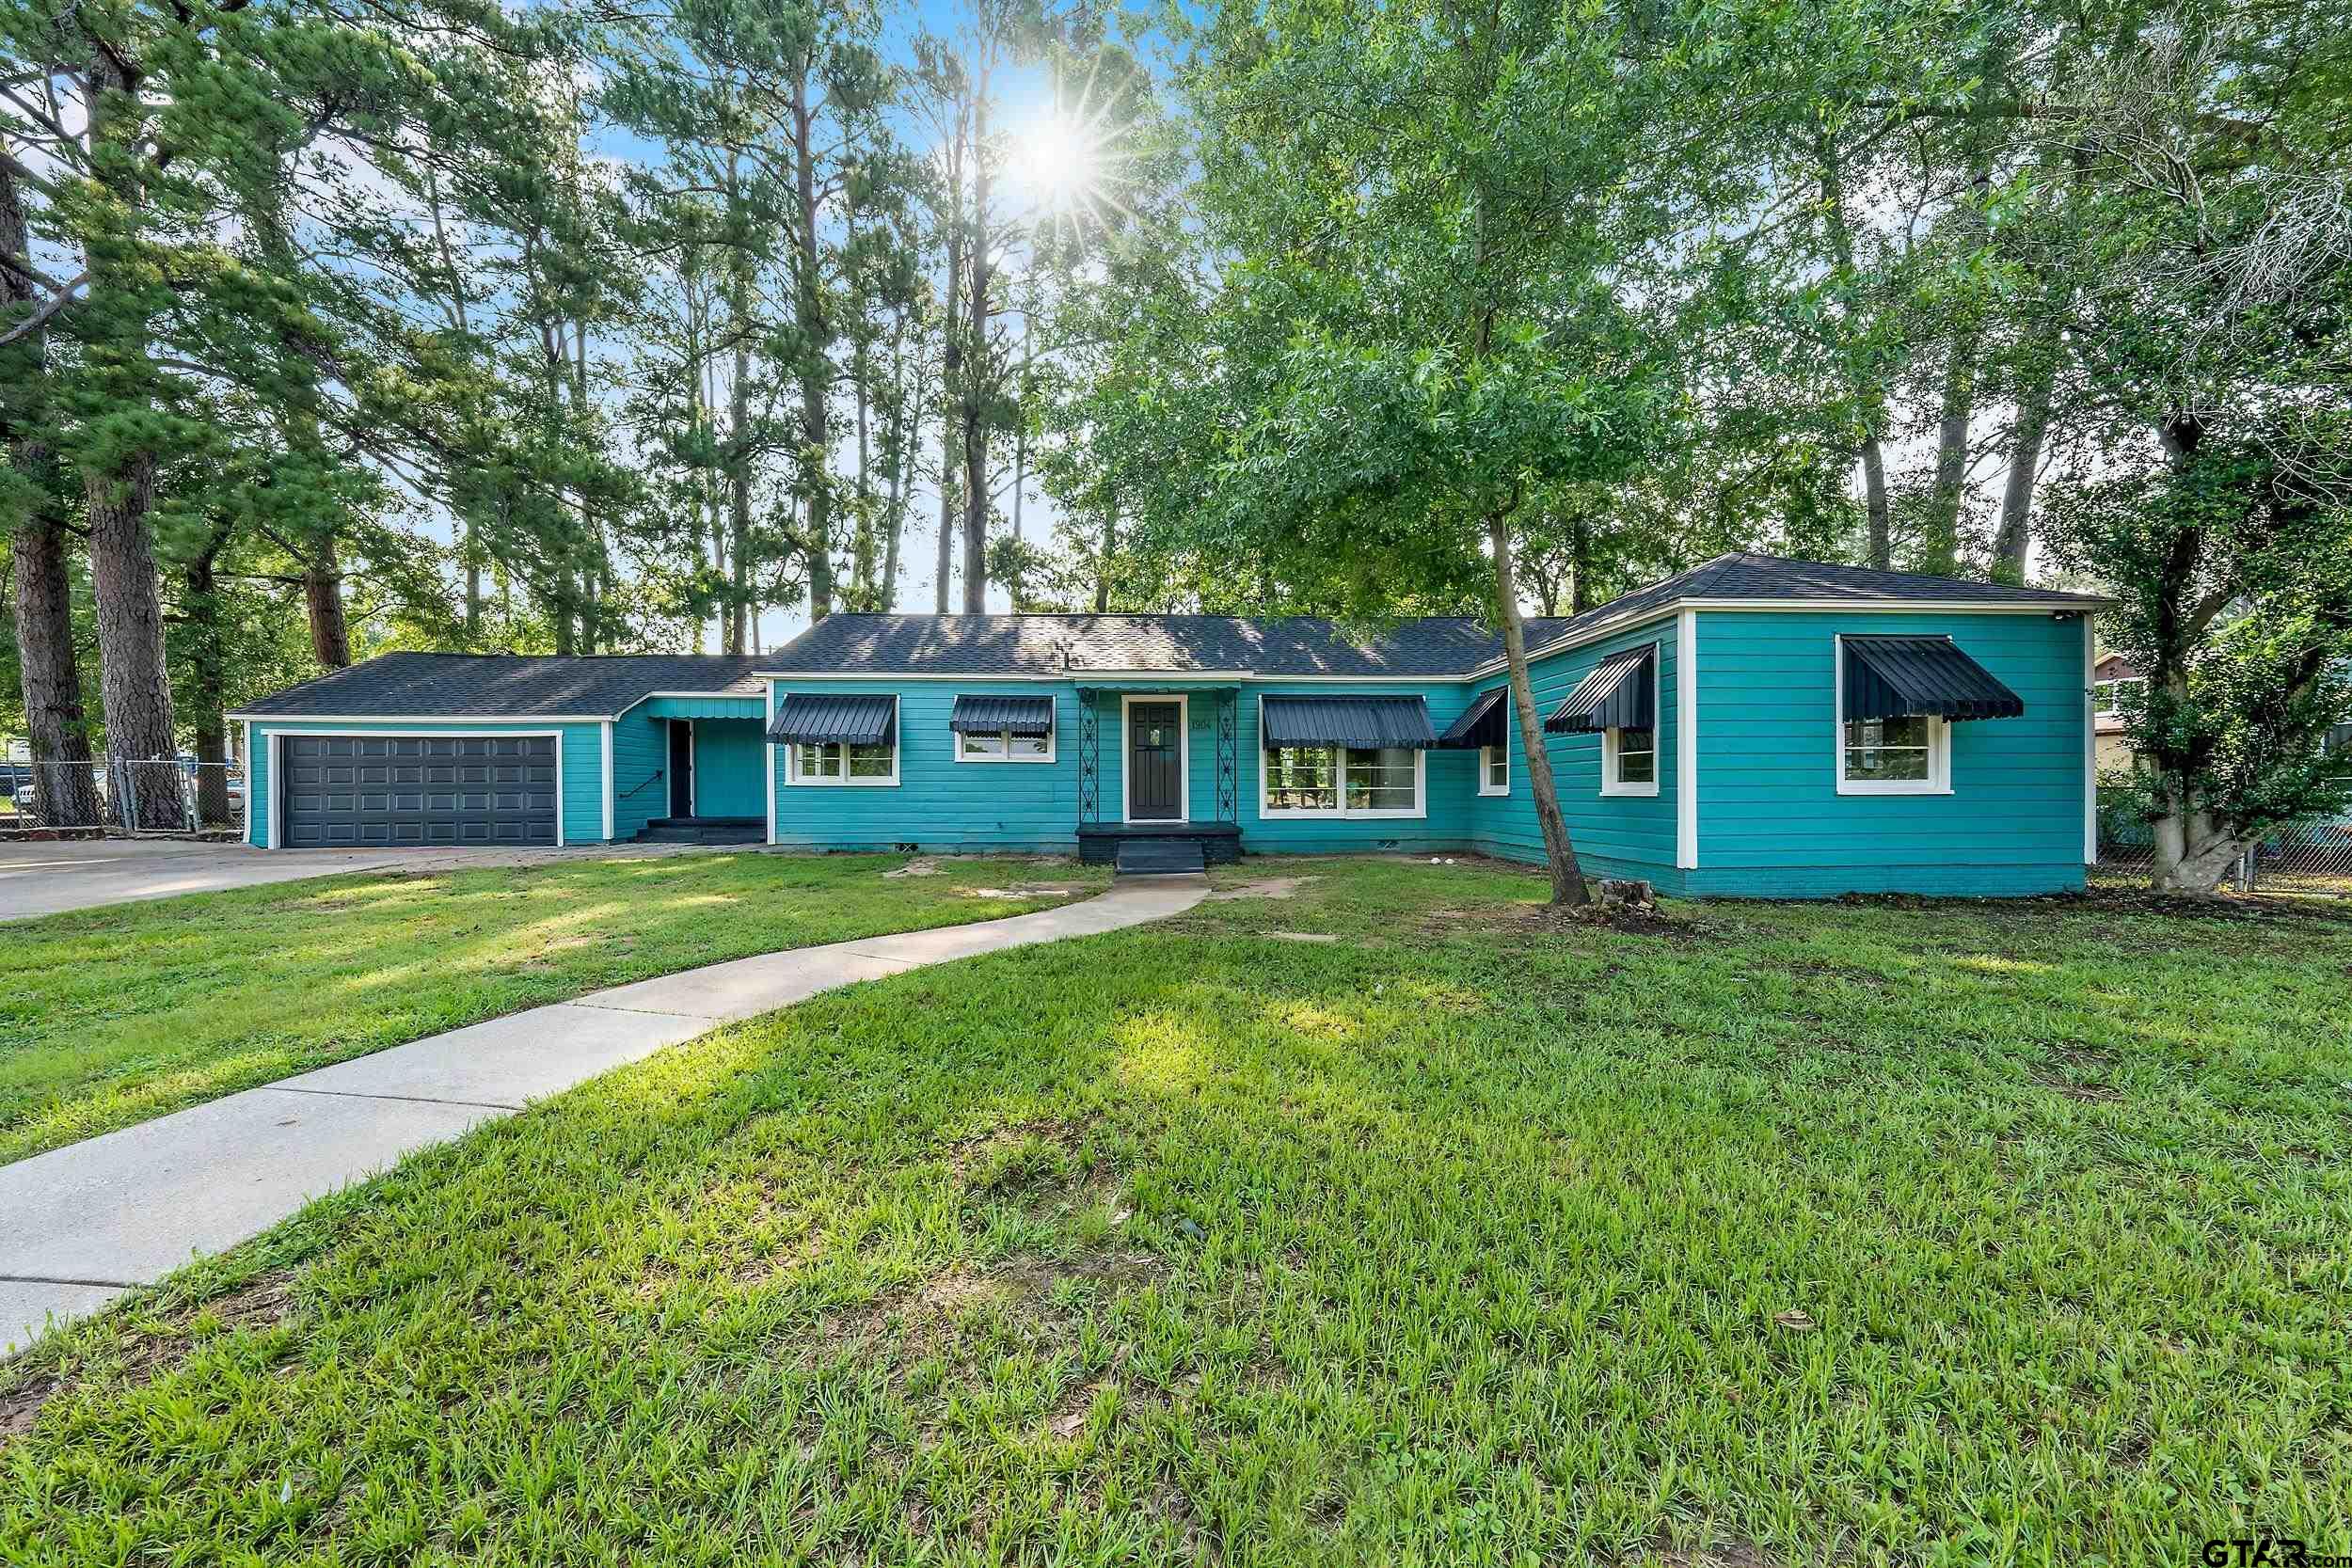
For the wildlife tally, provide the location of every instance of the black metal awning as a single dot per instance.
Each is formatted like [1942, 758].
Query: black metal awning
[826, 718]
[1913, 677]
[1621, 693]
[1365, 721]
[1485, 722]
[1030, 716]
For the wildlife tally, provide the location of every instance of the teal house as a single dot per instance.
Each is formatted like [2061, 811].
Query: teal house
[1751, 727]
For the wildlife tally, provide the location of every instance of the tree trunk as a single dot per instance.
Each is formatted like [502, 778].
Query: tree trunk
[816, 339]
[739, 473]
[977, 374]
[1940, 531]
[903, 434]
[2025, 460]
[208, 684]
[55, 720]
[135, 689]
[1580, 566]
[1103, 564]
[322, 595]
[1874, 502]
[1567, 877]
[55, 723]
[1881, 539]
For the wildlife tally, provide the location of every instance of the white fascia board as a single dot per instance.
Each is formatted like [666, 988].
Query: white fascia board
[424, 718]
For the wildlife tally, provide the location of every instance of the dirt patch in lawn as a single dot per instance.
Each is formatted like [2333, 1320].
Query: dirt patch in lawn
[1720, 1554]
[2242, 909]
[1550, 920]
[259, 1305]
[1262, 887]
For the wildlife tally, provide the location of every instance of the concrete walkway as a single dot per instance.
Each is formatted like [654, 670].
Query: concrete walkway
[81, 1224]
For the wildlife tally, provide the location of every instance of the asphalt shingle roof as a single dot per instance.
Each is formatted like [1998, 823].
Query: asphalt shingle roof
[506, 686]
[516, 686]
[1298, 645]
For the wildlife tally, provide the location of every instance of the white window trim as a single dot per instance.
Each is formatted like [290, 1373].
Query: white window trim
[1127, 755]
[1609, 783]
[1485, 783]
[1340, 811]
[955, 747]
[898, 748]
[1939, 779]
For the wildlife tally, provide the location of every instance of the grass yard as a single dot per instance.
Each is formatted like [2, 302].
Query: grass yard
[112, 1016]
[1783, 1234]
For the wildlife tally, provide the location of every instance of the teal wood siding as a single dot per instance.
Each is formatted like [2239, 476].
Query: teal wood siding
[728, 757]
[640, 751]
[1772, 823]
[1449, 779]
[641, 772]
[583, 765]
[940, 803]
[1616, 835]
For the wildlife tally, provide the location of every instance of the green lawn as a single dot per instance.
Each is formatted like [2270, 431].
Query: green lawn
[1791, 1234]
[112, 1016]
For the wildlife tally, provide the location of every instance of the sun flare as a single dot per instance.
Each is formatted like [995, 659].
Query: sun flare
[1068, 160]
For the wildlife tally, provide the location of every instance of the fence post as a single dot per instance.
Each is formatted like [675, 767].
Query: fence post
[2246, 870]
[130, 794]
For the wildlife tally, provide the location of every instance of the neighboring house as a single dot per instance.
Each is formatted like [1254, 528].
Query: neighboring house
[2113, 676]
[1752, 726]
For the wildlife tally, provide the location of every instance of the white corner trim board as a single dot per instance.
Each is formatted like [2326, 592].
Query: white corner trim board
[2090, 745]
[608, 781]
[771, 763]
[1687, 739]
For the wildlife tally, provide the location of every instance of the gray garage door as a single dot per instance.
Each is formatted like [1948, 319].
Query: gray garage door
[405, 789]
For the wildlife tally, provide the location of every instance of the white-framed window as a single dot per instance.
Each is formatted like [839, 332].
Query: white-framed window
[1911, 755]
[1341, 781]
[1494, 770]
[1628, 762]
[1894, 756]
[835, 762]
[2106, 695]
[1004, 746]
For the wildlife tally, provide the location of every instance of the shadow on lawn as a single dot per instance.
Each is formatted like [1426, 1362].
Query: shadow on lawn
[1158, 1245]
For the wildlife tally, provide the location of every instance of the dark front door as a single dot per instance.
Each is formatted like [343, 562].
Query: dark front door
[681, 768]
[1156, 754]
[343, 790]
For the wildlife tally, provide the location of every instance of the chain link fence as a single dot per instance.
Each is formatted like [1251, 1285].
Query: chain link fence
[2305, 857]
[169, 795]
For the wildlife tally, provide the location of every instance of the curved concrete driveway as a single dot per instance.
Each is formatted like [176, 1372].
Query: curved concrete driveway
[90, 1220]
[38, 878]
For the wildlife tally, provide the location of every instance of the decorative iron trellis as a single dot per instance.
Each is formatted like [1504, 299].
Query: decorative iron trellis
[1229, 756]
[1090, 760]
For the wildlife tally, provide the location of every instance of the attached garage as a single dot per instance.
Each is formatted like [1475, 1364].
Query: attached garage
[340, 790]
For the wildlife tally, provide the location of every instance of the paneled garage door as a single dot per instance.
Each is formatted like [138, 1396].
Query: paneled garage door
[416, 789]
